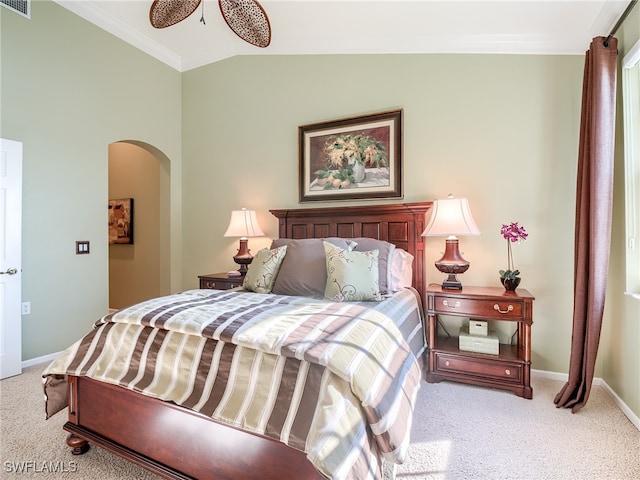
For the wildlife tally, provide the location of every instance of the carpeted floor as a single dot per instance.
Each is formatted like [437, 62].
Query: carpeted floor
[460, 432]
[466, 432]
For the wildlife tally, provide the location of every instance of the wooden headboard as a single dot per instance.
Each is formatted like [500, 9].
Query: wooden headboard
[400, 223]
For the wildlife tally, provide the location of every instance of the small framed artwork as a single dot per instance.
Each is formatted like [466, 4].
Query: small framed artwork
[121, 221]
[351, 158]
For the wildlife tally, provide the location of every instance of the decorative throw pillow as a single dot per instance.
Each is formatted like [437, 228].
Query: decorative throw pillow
[351, 276]
[385, 253]
[263, 270]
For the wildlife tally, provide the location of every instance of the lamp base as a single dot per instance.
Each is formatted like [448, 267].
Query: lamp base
[452, 283]
[243, 257]
[452, 263]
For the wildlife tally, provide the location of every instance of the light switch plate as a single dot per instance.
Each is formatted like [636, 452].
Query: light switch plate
[82, 247]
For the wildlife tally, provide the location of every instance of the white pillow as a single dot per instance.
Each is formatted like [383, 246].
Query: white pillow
[263, 270]
[401, 271]
[351, 276]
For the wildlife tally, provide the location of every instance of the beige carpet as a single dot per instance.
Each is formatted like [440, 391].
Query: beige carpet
[460, 432]
[466, 432]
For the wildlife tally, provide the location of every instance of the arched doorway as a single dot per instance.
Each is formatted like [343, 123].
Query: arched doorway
[140, 270]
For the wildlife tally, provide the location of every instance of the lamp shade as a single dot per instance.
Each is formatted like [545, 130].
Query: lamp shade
[451, 216]
[243, 224]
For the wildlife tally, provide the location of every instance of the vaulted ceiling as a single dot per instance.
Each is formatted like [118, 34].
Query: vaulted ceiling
[309, 27]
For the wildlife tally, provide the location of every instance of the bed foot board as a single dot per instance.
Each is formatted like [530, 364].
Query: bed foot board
[88, 436]
[78, 445]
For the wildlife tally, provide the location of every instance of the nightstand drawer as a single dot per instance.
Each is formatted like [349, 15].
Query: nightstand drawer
[216, 284]
[511, 372]
[506, 309]
[220, 281]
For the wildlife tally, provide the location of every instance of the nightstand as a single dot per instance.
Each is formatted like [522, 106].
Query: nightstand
[510, 369]
[220, 281]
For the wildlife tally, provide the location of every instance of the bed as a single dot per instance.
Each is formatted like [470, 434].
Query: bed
[365, 369]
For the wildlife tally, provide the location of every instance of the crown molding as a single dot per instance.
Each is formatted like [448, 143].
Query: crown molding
[107, 22]
[557, 44]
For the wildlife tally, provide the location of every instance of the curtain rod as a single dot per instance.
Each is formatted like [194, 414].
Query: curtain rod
[632, 4]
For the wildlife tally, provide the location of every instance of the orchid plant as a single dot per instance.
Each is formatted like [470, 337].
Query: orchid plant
[512, 233]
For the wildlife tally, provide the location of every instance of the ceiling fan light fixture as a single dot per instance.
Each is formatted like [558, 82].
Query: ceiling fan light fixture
[164, 13]
[248, 20]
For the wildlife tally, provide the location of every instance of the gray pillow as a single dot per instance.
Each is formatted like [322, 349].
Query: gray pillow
[385, 251]
[304, 269]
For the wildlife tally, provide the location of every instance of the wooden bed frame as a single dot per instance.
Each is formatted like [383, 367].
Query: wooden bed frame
[177, 443]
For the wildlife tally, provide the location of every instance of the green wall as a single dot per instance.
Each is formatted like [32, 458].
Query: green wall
[501, 130]
[619, 353]
[69, 90]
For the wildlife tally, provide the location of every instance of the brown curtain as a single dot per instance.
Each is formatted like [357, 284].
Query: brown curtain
[594, 198]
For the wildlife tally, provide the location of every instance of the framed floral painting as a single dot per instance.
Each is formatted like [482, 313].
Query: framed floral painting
[351, 158]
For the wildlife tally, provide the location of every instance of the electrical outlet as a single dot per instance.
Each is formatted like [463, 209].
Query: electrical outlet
[26, 308]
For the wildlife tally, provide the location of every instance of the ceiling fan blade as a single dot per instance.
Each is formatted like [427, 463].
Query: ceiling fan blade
[248, 20]
[164, 13]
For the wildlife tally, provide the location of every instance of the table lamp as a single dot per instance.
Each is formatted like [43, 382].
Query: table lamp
[451, 217]
[243, 224]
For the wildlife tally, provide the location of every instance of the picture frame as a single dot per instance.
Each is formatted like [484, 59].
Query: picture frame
[121, 221]
[351, 158]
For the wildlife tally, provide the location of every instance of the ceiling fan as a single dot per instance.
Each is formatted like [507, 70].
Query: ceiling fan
[246, 18]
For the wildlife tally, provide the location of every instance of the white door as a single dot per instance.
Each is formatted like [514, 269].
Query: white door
[10, 258]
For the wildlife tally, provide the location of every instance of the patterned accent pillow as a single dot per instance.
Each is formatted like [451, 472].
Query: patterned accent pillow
[351, 276]
[263, 270]
[385, 253]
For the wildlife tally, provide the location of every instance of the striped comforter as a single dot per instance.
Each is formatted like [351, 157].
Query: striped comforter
[335, 380]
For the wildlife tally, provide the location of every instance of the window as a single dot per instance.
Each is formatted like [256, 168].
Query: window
[631, 115]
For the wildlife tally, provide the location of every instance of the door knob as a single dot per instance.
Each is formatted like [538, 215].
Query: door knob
[11, 271]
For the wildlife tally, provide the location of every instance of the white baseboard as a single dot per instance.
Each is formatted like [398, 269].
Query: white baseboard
[549, 375]
[633, 418]
[38, 360]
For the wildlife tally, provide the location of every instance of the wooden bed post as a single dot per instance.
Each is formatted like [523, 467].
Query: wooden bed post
[77, 444]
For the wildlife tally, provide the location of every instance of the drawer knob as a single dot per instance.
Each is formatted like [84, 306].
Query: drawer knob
[455, 305]
[507, 372]
[446, 364]
[497, 308]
